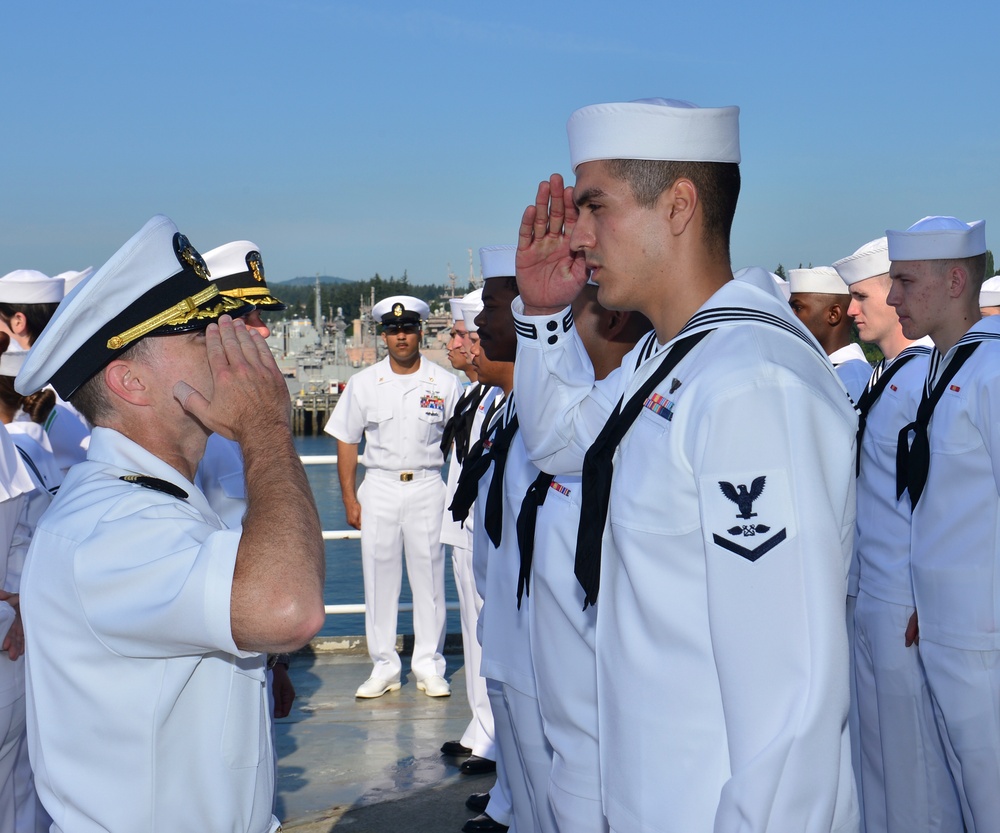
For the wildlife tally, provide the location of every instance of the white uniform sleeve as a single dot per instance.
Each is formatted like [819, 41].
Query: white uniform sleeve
[777, 507]
[560, 409]
[154, 581]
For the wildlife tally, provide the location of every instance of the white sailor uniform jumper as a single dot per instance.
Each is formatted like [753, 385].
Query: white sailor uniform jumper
[721, 640]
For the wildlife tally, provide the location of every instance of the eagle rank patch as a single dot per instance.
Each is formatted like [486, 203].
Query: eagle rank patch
[747, 513]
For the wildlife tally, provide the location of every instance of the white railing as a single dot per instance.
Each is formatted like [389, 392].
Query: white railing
[348, 535]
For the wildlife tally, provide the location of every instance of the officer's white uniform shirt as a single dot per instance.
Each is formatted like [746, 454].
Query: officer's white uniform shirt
[852, 368]
[401, 416]
[131, 587]
[723, 682]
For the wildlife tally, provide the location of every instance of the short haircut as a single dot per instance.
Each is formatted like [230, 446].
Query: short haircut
[717, 183]
[91, 398]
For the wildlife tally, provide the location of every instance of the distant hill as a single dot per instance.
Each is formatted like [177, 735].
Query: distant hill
[323, 279]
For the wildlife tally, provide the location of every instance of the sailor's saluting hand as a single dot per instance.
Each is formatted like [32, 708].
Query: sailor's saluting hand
[248, 395]
[549, 273]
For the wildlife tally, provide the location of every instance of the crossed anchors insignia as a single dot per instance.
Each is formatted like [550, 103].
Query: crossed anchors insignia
[744, 499]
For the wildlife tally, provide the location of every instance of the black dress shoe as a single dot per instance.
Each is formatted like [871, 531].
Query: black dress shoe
[454, 747]
[483, 824]
[477, 766]
[477, 802]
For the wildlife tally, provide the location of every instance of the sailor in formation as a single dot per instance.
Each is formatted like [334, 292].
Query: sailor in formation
[949, 466]
[903, 779]
[460, 434]
[820, 298]
[399, 406]
[133, 578]
[561, 630]
[721, 644]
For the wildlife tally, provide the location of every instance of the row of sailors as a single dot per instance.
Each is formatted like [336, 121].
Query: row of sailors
[44, 437]
[713, 684]
[539, 663]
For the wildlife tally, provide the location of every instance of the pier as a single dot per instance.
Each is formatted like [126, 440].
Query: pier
[310, 411]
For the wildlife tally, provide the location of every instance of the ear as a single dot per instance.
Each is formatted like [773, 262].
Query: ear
[679, 203]
[18, 324]
[126, 380]
[614, 322]
[834, 314]
[957, 279]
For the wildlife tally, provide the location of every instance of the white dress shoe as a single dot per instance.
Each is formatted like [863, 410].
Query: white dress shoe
[434, 687]
[374, 687]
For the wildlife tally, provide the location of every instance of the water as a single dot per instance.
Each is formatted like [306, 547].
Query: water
[344, 584]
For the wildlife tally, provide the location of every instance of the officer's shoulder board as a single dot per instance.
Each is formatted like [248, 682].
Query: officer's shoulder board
[154, 483]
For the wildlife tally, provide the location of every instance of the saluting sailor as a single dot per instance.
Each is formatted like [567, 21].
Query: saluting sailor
[948, 459]
[722, 485]
[133, 578]
[903, 779]
[399, 406]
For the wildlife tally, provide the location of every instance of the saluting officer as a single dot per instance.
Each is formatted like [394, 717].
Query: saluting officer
[399, 406]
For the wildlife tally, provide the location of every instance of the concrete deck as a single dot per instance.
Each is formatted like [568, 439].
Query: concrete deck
[370, 766]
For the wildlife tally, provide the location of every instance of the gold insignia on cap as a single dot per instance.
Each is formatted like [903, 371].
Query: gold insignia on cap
[256, 265]
[189, 256]
[397, 310]
[190, 309]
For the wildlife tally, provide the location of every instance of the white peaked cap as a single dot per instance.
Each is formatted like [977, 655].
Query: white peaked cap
[497, 261]
[654, 128]
[869, 261]
[989, 294]
[74, 279]
[400, 306]
[938, 238]
[28, 286]
[472, 305]
[818, 279]
[156, 284]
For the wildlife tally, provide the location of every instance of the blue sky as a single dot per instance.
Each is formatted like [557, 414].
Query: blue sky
[349, 138]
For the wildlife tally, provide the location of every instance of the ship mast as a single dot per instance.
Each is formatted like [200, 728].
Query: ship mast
[319, 315]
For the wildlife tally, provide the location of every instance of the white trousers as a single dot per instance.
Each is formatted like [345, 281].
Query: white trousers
[906, 783]
[501, 804]
[965, 689]
[853, 719]
[565, 664]
[397, 519]
[479, 733]
[527, 758]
